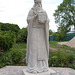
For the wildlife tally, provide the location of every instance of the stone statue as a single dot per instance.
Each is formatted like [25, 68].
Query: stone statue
[38, 39]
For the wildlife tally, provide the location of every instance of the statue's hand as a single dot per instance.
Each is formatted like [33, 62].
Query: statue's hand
[35, 14]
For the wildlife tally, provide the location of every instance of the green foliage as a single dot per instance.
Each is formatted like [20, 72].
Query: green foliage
[13, 30]
[18, 53]
[9, 33]
[65, 13]
[72, 66]
[2, 64]
[64, 16]
[22, 35]
[10, 57]
[9, 27]
[64, 56]
[5, 42]
[5, 60]
[61, 58]
[60, 36]
[16, 56]
[62, 30]
[53, 60]
[50, 32]
[54, 44]
[70, 58]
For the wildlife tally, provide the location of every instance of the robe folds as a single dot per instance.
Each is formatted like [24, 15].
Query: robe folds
[37, 43]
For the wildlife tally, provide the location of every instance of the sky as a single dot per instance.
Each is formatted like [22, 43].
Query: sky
[16, 11]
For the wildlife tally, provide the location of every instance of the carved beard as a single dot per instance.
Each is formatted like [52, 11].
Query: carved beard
[37, 7]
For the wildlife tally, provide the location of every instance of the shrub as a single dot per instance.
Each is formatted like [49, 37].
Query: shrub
[8, 27]
[16, 56]
[5, 60]
[5, 42]
[54, 60]
[70, 58]
[22, 35]
[2, 64]
[10, 33]
[61, 58]
[72, 66]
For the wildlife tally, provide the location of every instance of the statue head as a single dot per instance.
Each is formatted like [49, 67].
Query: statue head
[37, 0]
[38, 3]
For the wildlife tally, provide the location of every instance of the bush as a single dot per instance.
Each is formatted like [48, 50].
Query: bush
[61, 58]
[22, 35]
[5, 60]
[54, 60]
[2, 64]
[5, 42]
[70, 58]
[9, 27]
[16, 56]
[72, 66]
[10, 33]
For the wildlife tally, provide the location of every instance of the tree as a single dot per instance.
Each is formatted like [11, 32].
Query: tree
[65, 14]
[62, 32]
[50, 32]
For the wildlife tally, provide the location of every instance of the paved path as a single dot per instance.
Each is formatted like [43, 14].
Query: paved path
[17, 70]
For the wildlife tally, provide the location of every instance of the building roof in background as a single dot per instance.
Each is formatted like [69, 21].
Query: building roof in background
[71, 32]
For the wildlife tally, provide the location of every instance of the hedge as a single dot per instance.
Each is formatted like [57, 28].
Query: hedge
[5, 42]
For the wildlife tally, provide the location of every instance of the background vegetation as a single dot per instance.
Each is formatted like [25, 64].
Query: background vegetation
[65, 18]
[12, 44]
[10, 34]
[59, 56]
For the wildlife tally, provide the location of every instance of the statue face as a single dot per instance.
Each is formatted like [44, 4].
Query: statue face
[38, 4]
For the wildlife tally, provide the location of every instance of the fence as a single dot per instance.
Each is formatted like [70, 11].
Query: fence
[69, 36]
[66, 38]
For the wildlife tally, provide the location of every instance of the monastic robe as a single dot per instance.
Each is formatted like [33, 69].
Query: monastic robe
[37, 41]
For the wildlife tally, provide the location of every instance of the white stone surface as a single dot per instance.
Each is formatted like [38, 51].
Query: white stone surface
[50, 72]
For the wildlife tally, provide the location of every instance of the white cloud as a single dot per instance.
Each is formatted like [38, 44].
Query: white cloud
[16, 11]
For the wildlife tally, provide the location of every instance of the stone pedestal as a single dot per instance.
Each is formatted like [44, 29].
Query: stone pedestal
[50, 72]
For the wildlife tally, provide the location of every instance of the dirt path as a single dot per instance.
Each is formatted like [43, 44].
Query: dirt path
[71, 43]
[53, 49]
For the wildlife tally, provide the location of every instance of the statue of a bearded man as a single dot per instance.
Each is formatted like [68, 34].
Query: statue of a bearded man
[38, 39]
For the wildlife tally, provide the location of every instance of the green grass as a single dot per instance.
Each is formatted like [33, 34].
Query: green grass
[19, 46]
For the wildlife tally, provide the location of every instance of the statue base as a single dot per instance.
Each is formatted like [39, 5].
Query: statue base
[50, 72]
